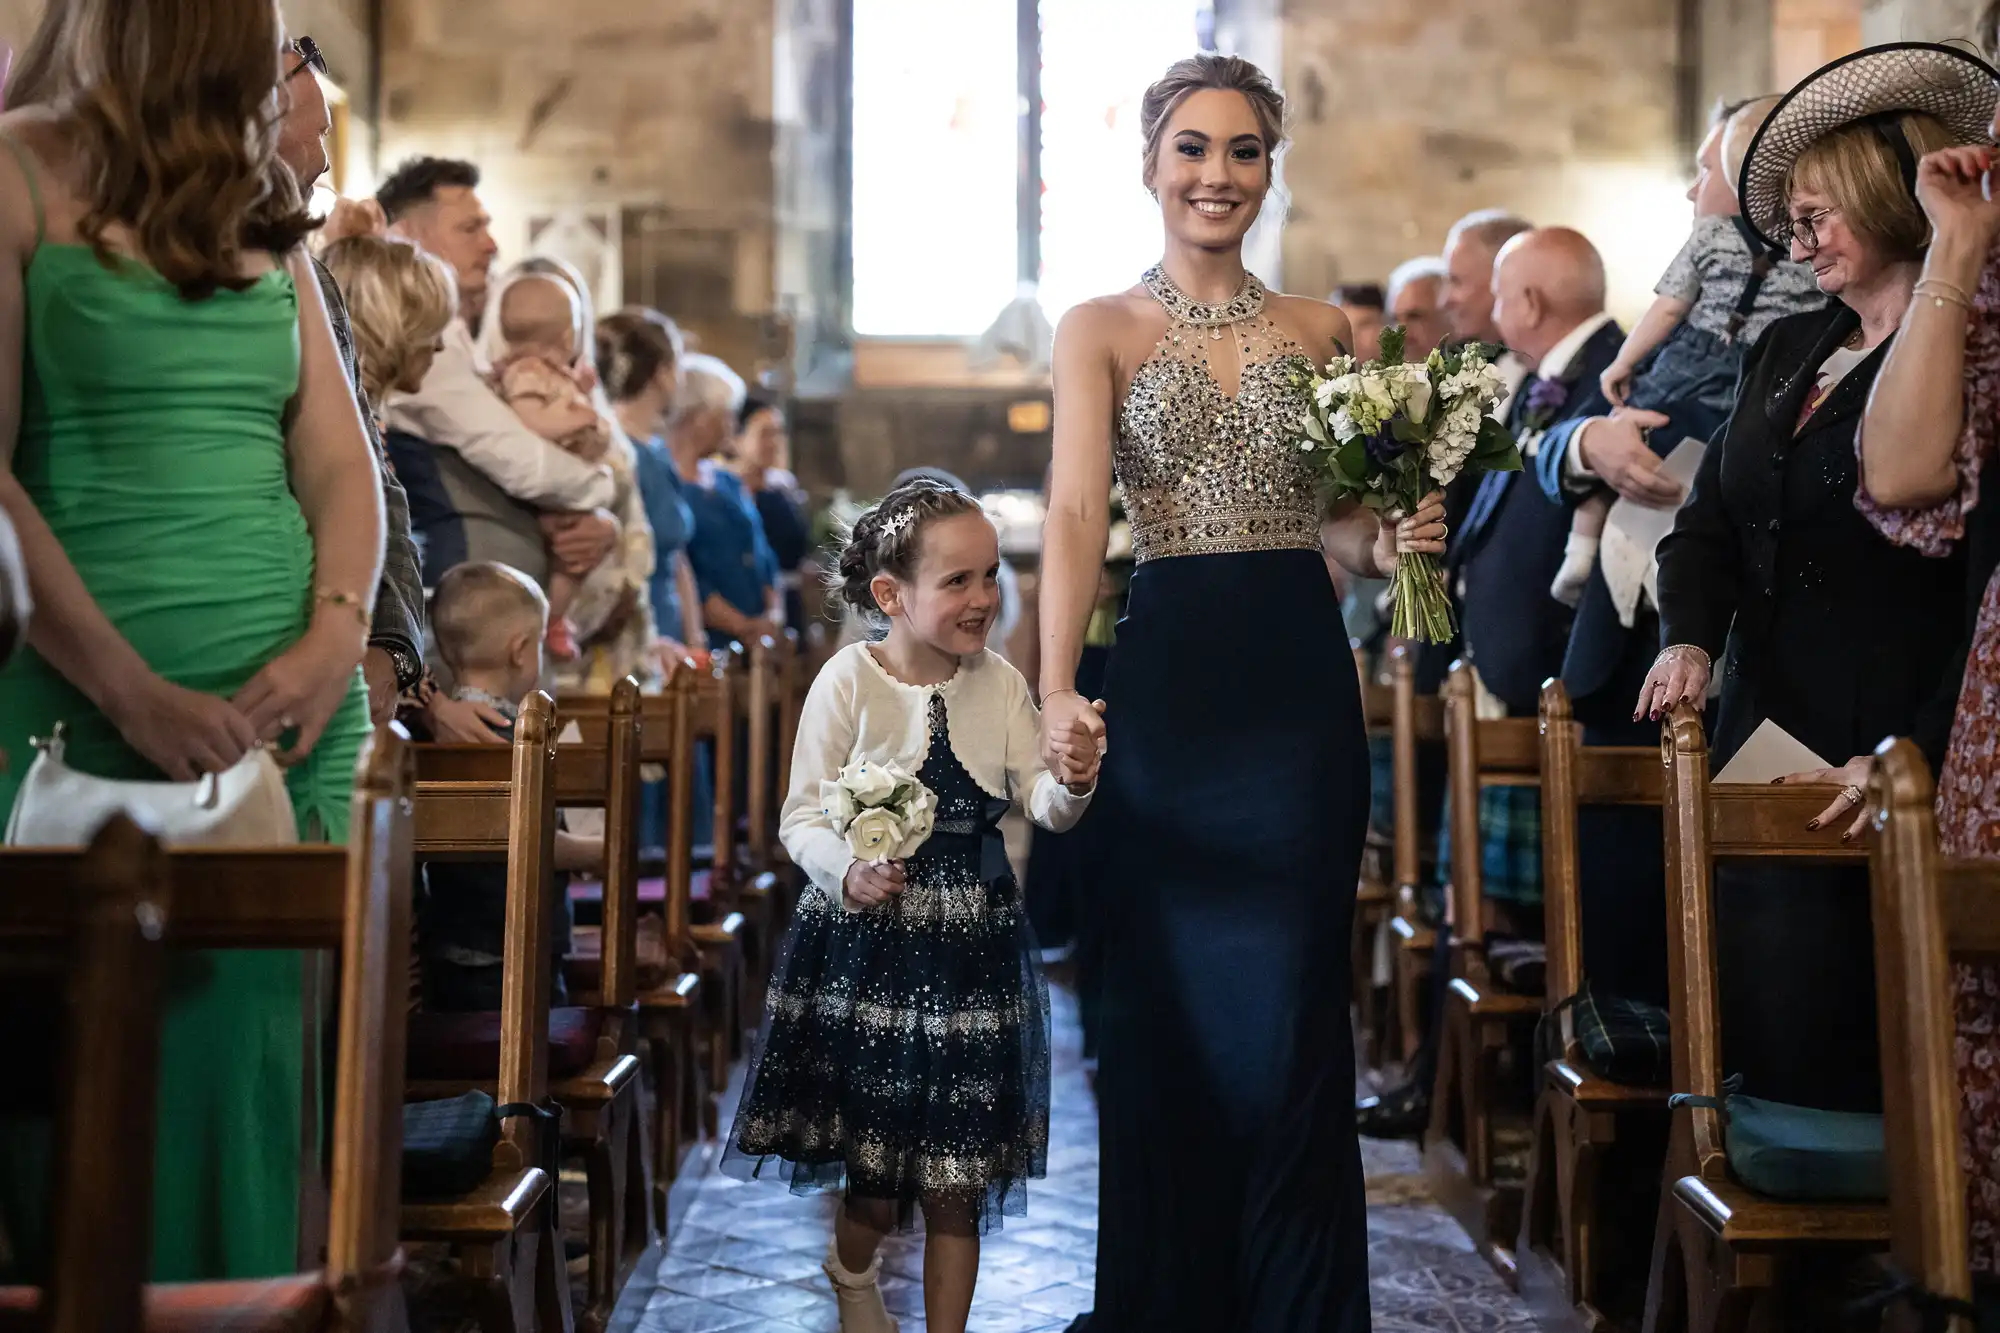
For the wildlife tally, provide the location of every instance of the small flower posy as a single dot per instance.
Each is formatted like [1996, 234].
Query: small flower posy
[884, 813]
[1389, 432]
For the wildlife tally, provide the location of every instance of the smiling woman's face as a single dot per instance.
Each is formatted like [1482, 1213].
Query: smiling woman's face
[1212, 170]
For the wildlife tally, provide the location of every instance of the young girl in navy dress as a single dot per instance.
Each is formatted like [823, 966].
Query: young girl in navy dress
[905, 1055]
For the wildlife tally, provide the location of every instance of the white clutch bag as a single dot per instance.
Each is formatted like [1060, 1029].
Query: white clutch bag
[60, 807]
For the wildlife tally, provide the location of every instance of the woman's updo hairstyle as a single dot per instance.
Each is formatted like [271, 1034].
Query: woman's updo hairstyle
[1232, 74]
[633, 346]
[888, 538]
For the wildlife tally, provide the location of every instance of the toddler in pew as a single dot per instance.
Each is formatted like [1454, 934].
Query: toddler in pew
[489, 621]
[905, 1053]
[1717, 297]
[541, 375]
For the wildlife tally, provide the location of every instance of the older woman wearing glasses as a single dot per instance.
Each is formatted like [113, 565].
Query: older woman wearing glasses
[1821, 624]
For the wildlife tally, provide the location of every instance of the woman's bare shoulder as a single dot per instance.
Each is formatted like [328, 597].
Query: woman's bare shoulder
[1317, 325]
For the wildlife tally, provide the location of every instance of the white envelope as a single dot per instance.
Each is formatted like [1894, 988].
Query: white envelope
[1771, 752]
[1632, 534]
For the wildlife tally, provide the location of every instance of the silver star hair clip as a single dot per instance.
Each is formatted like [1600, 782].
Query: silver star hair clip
[892, 527]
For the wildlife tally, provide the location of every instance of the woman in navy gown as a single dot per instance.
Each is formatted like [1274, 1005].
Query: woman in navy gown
[1235, 787]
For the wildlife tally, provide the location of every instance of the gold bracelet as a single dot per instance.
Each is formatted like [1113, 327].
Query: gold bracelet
[1942, 293]
[335, 597]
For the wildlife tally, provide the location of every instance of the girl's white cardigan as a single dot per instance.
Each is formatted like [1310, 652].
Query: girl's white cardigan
[857, 709]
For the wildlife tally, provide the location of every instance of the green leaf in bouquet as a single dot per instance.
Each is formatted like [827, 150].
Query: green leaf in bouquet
[1351, 462]
[1314, 428]
[1407, 431]
[1495, 450]
[1377, 500]
[1393, 340]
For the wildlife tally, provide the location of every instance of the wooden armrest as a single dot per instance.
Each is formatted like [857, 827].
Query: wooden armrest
[1751, 1221]
[1579, 1083]
[1494, 1003]
[494, 1210]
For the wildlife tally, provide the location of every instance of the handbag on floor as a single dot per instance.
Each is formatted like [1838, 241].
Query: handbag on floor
[57, 806]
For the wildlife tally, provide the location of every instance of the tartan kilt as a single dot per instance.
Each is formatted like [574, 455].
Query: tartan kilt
[1510, 836]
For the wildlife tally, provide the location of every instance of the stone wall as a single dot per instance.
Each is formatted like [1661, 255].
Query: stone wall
[1917, 20]
[1407, 117]
[636, 139]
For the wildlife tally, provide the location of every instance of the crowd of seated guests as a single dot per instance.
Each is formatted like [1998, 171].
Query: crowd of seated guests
[404, 469]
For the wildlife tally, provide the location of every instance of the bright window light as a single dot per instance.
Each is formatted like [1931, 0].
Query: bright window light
[936, 156]
[1100, 229]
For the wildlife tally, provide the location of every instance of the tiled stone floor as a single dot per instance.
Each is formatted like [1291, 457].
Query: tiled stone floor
[745, 1257]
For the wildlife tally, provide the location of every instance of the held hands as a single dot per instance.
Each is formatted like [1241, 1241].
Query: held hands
[1073, 741]
[872, 883]
[1616, 451]
[181, 732]
[1953, 187]
[1422, 532]
[1852, 779]
[1679, 675]
[299, 690]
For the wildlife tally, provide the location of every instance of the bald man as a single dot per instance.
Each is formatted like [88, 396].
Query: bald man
[1548, 304]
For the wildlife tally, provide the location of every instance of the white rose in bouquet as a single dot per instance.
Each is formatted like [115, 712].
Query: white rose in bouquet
[875, 835]
[1381, 394]
[837, 803]
[1417, 386]
[919, 814]
[868, 782]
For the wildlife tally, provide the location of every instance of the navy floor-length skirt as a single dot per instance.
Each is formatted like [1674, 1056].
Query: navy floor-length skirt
[1233, 807]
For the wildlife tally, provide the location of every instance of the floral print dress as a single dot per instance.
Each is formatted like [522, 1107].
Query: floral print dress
[1968, 788]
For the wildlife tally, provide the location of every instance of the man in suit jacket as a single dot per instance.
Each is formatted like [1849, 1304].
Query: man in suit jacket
[1549, 304]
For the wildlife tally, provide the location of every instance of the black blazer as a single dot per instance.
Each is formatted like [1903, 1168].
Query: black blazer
[1511, 547]
[1830, 630]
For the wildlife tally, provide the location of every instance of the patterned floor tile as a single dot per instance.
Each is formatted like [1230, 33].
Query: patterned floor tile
[746, 1255]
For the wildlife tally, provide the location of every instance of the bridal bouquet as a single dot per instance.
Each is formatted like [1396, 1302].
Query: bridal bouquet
[884, 813]
[1388, 433]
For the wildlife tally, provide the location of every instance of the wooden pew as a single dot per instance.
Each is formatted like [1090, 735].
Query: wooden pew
[603, 1114]
[505, 1233]
[1718, 1245]
[668, 1000]
[1374, 898]
[1479, 1012]
[121, 903]
[1929, 910]
[1416, 720]
[1578, 1114]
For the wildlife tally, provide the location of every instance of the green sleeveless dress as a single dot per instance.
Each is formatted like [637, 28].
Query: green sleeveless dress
[152, 441]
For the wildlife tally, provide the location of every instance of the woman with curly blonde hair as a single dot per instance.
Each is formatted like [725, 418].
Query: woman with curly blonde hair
[201, 521]
[400, 298]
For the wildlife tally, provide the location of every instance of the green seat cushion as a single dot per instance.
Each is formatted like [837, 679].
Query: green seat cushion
[1796, 1152]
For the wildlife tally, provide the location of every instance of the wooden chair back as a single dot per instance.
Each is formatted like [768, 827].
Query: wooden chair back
[1482, 752]
[759, 698]
[1930, 911]
[480, 802]
[136, 897]
[713, 710]
[1415, 720]
[1575, 776]
[793, 681]
[1378, 699]
[1706, 823]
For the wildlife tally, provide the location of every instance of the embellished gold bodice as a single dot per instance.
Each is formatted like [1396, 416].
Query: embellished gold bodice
[1204, 473]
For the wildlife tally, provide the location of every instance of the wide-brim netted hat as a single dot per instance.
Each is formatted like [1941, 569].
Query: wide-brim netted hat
[1947, 82]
